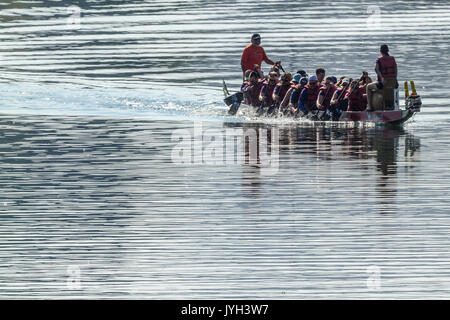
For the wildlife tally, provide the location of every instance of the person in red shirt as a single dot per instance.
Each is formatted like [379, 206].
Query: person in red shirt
[254, 54]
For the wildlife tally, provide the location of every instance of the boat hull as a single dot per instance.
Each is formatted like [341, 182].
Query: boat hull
[392, 117]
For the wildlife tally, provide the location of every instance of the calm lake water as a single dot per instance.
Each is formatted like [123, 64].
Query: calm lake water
[96, 201]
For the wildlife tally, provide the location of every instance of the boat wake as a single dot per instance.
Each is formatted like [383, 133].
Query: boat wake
[53, 99]
[155, 104]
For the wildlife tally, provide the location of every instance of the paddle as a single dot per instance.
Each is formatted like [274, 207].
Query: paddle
[272, 108]
[324, 112]
[342, 94]
[234, 100]
[314, 114]
[336, 108]
[261, 107]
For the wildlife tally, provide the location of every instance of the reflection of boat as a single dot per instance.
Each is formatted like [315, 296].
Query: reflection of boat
[391, 117]
[333, 144]
[332, 164]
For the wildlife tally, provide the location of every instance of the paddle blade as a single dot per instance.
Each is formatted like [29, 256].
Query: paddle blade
[234, 101]
[237, 97]
[234, 109]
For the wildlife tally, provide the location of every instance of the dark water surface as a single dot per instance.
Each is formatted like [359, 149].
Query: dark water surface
[94, 202]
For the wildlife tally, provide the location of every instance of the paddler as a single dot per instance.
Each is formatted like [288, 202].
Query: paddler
[246, 82]
[386, 69]
[282, 88]
[287, 97]
[338, 104]
[254, 54]
[326, 93]
[253, 89]
[266, 95]
[299, 84]
[308, 97]
[354, 95]
[323, 99]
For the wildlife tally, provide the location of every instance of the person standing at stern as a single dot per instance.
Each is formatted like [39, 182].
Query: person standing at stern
[386, 70]
[254, 54]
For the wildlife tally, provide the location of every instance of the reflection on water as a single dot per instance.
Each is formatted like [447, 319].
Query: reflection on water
[324, 143]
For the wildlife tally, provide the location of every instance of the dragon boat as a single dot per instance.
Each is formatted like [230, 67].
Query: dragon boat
[396, 116]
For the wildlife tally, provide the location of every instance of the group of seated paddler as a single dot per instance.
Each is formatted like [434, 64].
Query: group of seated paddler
[314, 96]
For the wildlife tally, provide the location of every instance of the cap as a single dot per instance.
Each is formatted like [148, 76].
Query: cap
[334, 79]
[313, 78]
[345, 80]
[256, 36]
[297, 78]
[303, 81]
